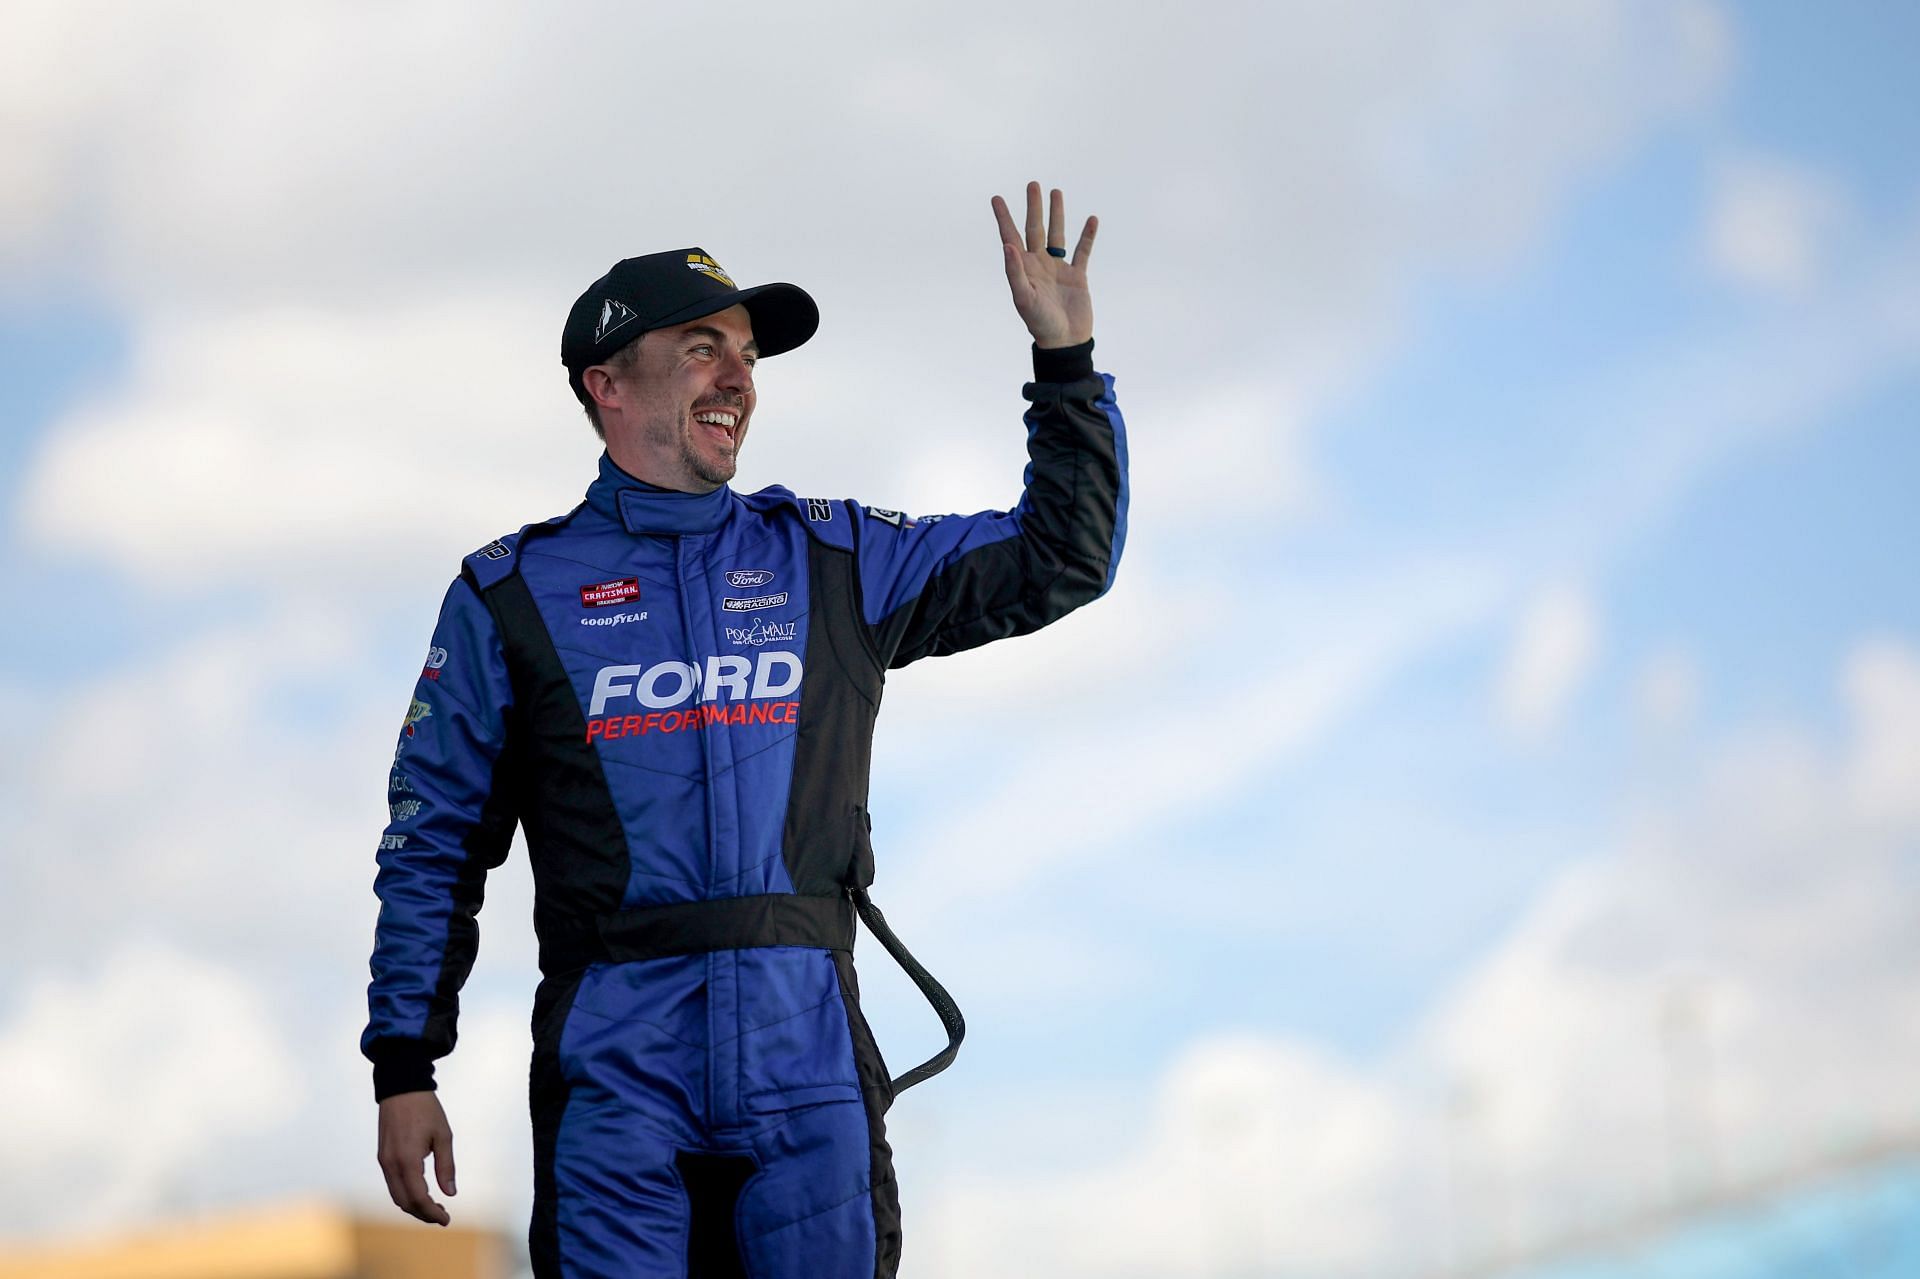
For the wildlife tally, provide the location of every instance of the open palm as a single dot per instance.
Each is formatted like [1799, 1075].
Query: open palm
[1049, 291]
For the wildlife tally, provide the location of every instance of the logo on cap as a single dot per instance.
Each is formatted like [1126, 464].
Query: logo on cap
[707, 266]
[612, 315]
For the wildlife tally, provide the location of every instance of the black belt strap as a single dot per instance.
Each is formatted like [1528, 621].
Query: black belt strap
[936, 994]
[727, 923]
[776, 919]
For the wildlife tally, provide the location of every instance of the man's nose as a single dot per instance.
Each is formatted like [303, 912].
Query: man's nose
[735, 372]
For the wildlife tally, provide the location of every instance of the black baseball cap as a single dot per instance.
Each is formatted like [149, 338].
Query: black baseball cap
[664, 289]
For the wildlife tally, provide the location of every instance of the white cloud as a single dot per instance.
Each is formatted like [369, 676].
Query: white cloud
[214, 806]
[115, 1083]
[1770, 223]
[1197, 728]
[1882, 685]
[293, 446]
[228, 790]
[284, 149]
[1227, 455]
[1552, 651]
[1258, 1154]
[1739, 972]
[345, 281]
[1666, 691]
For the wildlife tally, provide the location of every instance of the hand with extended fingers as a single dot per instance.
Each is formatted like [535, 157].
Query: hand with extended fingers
[1049, 289]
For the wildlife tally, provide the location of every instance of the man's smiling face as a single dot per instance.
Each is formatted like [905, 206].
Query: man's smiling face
[683, 402]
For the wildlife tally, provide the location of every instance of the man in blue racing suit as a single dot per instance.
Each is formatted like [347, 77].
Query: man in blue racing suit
[672, 689]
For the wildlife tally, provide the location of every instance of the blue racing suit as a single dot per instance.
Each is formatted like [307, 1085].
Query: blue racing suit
[674, 695]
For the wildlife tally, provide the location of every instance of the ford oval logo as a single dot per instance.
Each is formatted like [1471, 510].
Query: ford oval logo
[749, 577]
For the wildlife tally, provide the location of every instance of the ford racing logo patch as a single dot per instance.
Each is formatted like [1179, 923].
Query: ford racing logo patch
[745, 577]
[757, 602]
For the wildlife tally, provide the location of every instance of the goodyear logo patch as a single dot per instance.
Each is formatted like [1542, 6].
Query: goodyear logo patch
[707, 266]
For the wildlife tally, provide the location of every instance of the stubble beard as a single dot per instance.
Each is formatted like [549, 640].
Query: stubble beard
[673, 436]
[714, 473]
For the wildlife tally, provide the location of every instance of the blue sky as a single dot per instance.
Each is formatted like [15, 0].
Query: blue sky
[1503, 519]
[1765, 567]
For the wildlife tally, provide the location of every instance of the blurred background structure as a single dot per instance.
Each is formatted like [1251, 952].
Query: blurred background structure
[1479, 834]
[283, 1241]
[1858, 1215]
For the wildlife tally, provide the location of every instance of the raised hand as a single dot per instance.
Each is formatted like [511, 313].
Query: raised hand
[1049, 289]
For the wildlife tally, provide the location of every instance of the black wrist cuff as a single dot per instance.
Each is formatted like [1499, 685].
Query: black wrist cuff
[400, 1066]
[1063, 363]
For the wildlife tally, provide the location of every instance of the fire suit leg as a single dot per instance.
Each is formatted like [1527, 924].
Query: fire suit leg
[622, 1210]
[617, 1090]
[631, 1088]
[824, 1204]
[810, 1212]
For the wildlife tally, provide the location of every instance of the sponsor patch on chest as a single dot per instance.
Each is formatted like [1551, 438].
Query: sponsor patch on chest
[724, 691]
[619, 590]
[754, 604]
[758, 632]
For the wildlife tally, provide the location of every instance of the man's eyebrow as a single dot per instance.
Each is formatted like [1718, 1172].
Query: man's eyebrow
[704, 331]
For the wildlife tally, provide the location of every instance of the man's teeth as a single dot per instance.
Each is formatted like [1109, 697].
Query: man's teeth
[716, 418]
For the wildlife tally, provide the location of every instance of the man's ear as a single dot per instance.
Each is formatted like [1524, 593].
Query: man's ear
[600, 387]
